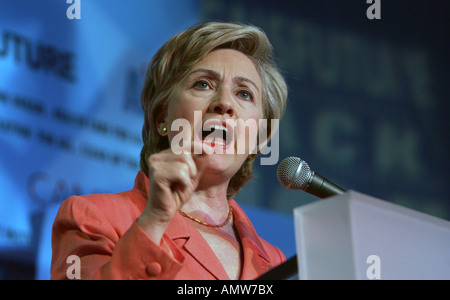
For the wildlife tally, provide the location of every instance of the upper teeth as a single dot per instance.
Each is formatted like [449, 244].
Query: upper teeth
[217, 127]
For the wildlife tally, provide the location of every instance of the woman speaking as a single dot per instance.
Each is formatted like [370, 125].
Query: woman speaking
[180, 220]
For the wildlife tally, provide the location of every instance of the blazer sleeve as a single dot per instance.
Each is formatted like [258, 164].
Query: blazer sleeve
[81, 228]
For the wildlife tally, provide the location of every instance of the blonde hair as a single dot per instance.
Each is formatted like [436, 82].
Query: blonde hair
[175, 58]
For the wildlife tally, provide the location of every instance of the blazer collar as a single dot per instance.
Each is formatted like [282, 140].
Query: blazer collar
[247, 232]
[256, 261]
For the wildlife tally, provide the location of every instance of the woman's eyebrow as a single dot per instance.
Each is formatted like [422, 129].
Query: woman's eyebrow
[240, 79]
[210, 73]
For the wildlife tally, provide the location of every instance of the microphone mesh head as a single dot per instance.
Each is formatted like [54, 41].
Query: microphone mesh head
[289, 174]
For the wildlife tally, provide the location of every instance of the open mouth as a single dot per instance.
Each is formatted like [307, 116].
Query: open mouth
[217, 134]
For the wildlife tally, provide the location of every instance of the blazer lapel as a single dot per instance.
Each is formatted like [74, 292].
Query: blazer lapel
[196, 246]
[202, 252]
[255, 258]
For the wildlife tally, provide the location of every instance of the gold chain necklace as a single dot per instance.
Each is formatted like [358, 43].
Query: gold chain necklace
[230, 214]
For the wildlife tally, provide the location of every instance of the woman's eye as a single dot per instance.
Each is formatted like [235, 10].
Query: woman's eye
[203, 85]
[245, 95]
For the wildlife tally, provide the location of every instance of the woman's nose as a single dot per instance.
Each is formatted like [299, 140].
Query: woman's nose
[223, 104]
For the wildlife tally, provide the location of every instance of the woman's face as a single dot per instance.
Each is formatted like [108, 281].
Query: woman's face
[221, 100]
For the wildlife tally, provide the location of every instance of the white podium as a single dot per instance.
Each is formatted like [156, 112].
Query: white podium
[355, 236]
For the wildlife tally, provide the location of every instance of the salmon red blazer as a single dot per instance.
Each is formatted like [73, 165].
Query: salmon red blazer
[101, 229]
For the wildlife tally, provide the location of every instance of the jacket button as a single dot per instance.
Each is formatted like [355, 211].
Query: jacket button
[153, 269]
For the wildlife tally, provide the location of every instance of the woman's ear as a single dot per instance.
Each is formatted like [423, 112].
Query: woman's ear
[161, 123]
[163, 129]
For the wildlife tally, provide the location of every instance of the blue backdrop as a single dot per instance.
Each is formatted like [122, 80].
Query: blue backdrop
[367, 105]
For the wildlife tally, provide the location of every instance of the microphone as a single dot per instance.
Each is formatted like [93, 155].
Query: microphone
[295, 174]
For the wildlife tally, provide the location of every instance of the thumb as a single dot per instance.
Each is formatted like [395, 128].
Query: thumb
[199, 152]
